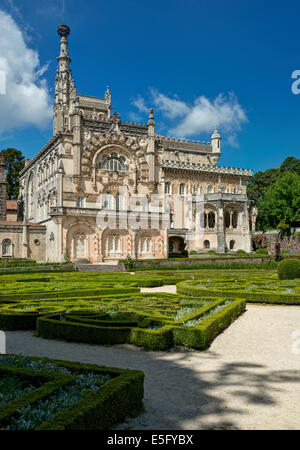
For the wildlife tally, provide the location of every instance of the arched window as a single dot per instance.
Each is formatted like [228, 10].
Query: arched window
[7, 247]
[235, 220]
[114, 162]
[196, 189]
[182, 189]
[146, 245]
[227, 219]
[30, 196]
[210, 189]
[231, 245]
[206, 244]
[211, 220]
[167, 188]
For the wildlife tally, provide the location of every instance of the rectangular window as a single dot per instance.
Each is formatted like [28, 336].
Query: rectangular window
[80, 202]
[146, 245]
[114, 244]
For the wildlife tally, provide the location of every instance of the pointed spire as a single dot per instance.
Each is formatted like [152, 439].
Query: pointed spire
[65, 89]
[151, 120]
[63, 59]
[108, 101]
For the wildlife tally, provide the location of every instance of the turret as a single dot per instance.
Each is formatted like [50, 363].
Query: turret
[216, 141]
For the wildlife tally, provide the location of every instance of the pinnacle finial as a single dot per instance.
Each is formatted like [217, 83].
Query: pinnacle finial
[151, 120]
[63, 30]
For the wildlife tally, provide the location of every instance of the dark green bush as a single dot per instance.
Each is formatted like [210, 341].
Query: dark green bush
[261, 251]
[289, 269]
[241, 252]
[201, 336]
[183, 254]
[212, 252]
[193, 252]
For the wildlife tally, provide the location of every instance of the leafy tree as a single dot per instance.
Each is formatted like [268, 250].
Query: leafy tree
[14, 161]
[290, 164]
[260, 183]
[280, 205]
[262, 180]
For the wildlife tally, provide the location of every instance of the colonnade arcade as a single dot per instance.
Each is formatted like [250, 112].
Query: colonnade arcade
[85, 242]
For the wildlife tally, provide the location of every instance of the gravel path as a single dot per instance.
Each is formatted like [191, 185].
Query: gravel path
[248, 379]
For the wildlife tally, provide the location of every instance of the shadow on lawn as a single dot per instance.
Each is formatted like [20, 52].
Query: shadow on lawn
[183, 390]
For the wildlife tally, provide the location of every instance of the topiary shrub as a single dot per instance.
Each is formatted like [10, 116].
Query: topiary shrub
[241, 252]
[193, 252]
[212, 252]
[261, 251]
[289, 269]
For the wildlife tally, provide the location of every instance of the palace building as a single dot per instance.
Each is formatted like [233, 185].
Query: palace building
[97, 163]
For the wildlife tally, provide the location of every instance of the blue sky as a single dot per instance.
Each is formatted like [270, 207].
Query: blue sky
[178, 56]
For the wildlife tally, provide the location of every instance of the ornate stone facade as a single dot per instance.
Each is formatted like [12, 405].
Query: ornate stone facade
[97, 164]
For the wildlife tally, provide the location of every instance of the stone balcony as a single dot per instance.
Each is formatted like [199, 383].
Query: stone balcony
[240, 197]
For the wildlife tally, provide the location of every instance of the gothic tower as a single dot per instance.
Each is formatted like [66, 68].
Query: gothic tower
[65, 90]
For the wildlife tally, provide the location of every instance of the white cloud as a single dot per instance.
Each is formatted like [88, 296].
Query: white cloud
[170, 107]
[27, 101]
[140, 104]
[189, 120]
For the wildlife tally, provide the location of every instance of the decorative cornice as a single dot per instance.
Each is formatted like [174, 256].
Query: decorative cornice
[197, 167]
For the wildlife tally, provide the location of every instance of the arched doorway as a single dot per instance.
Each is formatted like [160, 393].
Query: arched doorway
[176, 245]
[80, 245]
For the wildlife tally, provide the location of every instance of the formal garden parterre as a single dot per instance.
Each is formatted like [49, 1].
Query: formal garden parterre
[44, 394]
[109, 309]
[256, 290]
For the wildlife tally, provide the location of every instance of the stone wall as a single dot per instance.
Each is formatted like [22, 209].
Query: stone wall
[29, 243]
[270, 238]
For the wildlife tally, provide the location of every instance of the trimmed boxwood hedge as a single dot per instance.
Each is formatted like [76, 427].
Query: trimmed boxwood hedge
[199, 337]
[89, 330]
[233, 288]
[118, 398]
[289, 269]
